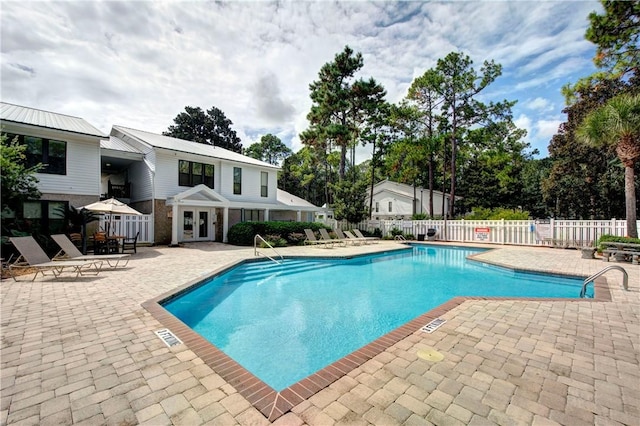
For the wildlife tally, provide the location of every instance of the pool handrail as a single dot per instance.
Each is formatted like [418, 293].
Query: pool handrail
[625, 278]
[256, 252]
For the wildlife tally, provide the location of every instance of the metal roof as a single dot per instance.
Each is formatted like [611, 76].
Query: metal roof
[174, 144]
[286, 199]
[117, 144]
[51, 120]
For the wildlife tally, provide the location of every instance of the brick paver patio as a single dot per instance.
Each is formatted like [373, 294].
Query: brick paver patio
[85, 352]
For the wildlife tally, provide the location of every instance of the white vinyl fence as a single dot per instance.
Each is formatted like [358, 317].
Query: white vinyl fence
[129, 225]
[563, 233]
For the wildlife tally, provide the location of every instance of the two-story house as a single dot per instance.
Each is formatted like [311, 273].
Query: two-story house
[393, 200]
[191, 191]
[69, 149]
[194, 191]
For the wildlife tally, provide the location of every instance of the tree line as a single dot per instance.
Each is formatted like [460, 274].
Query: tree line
[442, 137]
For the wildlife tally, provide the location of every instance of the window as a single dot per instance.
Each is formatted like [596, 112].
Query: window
[264, 184]
[192, 174]
[237, 180]
[50, 152]
[251, 215]
[45, 217]
[390, 204]
[377, 207]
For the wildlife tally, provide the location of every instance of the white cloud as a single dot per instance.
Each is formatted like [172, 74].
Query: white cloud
[547, 128]
[140, 63]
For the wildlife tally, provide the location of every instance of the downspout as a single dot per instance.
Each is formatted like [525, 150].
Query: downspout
[153, 197]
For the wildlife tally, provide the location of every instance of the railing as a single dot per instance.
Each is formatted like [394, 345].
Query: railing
[257, 253]
[119, 191]
[553, 232]
[625, 278]
[130, 225]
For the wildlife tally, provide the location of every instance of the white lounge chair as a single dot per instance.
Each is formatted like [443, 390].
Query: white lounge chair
[68, 251]
[312, 240]
[32, 256]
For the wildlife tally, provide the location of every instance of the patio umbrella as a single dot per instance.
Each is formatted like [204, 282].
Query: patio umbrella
[110, 207]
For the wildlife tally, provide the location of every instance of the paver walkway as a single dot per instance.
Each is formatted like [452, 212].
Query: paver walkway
[85, 352]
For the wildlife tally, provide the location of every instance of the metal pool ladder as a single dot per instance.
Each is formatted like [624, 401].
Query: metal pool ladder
[257, 253]
[625, 278]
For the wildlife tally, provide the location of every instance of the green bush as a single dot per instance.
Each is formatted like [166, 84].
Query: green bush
[481, 213]
[242, 234]
[615, 239]
[419, 216]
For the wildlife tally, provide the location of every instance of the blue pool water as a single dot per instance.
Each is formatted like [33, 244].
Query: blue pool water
[284, 322]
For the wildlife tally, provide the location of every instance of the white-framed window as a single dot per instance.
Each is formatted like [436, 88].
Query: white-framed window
[264, 184]
[390, 206]
[237, 180]
[377, 207]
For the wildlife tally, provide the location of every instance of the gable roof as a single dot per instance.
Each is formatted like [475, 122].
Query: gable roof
[173, 144]
[50, 120]
[290, 200]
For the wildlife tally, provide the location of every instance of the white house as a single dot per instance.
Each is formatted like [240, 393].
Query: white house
[393, 200]
[194, 191]
[69, 148]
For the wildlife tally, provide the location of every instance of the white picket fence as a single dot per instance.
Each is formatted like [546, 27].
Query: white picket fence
[129, 225]
[563, 233]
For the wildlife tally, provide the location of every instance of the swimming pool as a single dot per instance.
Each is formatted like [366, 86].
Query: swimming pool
[284, 322]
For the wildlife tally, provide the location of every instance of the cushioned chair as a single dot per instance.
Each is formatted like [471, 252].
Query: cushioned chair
[130, 243]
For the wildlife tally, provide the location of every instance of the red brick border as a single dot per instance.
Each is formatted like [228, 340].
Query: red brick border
[274, 404]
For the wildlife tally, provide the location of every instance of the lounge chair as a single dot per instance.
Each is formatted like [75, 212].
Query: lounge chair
[326, 237]
[354, 239]
[68, 251]
[32, 256]
[341, 236]
[359, 234]
[311, 239]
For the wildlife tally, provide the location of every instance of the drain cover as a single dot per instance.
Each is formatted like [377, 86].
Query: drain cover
[168, 337]
[433, 325]
[430, 354]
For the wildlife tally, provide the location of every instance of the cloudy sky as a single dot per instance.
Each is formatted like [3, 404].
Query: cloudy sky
[139, 63]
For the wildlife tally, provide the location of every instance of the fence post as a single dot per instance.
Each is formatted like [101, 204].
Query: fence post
[614, 227]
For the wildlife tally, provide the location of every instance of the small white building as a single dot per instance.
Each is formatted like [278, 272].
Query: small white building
[393, 200]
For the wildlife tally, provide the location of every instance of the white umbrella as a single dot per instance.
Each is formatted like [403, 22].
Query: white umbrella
[111, 206]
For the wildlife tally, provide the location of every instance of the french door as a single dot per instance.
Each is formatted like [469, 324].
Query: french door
[197, 225]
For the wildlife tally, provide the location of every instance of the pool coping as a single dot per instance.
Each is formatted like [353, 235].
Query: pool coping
[273, 404]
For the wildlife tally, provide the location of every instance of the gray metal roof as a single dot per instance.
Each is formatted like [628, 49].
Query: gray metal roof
[117, 144]
[173, 144]
[286, 199]
[51, 120]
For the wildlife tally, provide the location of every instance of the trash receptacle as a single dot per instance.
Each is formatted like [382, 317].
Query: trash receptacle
[420, 237]
[431, 234]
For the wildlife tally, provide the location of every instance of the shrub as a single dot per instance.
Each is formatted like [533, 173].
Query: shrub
[242, 234]
[419, 216]
[481, 213]
[615, 239]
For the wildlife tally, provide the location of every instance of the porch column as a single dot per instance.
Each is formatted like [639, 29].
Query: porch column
[174, 225]
[299, 216]
[266, 215]
[225, 224]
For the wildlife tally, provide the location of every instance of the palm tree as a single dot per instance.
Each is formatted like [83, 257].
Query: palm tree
[617, 124]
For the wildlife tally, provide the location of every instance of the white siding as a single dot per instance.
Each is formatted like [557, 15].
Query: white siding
[166, 180]
[141, 179]
[83, 162]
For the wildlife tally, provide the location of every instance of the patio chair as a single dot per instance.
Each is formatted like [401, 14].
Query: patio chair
[354, 239]
[359, 234]
[32, 256]
[68, 251]
[341, 236]
[130, 243]
[311, 239]
[326, 237]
